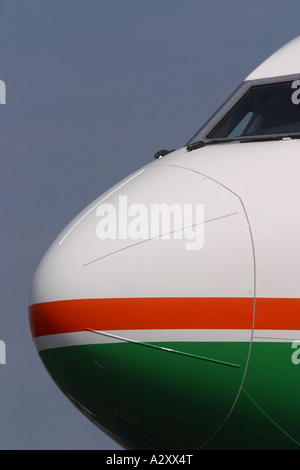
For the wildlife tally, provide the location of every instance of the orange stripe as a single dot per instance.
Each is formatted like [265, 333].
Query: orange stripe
[277, 314]
[140, 313]
[163, 313]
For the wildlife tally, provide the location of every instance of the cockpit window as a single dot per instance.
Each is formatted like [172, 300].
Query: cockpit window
[265, 109]
[262, 110]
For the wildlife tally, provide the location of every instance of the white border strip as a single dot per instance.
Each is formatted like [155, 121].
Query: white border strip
[143, 336]
[151, 336]
[276, 336]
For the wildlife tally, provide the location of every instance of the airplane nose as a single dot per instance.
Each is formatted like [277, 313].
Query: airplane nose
[142, 308]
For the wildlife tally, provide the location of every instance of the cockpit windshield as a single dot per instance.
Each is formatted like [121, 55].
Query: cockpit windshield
[271, 109]
[264, 109]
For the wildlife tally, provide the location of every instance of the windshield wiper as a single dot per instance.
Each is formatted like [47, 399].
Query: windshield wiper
[265, 138]
[255, 138]
[202, 143]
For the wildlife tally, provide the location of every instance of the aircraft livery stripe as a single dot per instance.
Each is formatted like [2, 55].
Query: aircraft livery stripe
[140, 313]
[80, 338]
[68, 316]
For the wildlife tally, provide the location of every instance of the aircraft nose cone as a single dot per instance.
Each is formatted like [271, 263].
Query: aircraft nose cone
[145, 323]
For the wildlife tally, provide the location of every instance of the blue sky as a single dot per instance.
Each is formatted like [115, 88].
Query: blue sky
[94, 89]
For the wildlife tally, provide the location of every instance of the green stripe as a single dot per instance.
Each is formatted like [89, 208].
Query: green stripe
[148, 399]
[269, 417]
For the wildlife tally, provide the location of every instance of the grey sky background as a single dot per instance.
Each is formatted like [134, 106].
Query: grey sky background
[94, 89]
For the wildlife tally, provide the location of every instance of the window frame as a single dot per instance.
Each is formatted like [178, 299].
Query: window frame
[231, 101]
